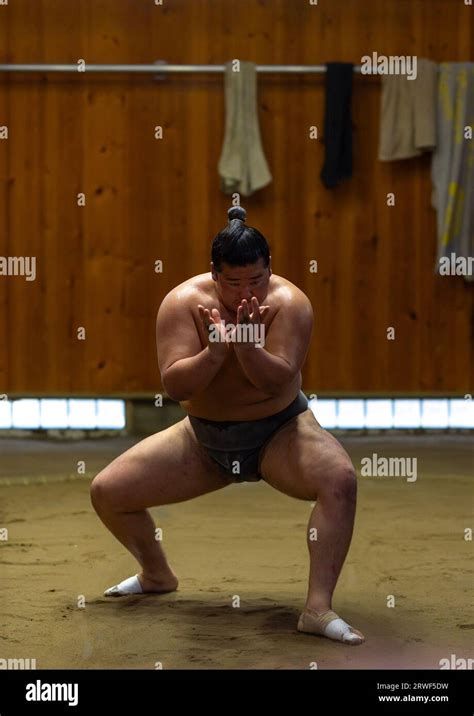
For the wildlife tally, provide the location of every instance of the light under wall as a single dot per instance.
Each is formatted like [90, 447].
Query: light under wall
[62, 414]
[403, 413]
[338, 413]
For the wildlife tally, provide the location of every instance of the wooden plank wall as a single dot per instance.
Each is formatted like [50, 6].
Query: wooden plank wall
[149, 199]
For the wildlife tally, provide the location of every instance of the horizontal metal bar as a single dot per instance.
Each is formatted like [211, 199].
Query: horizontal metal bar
[160, 68]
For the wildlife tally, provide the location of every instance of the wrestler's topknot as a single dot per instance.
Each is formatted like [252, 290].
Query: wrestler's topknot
[238, 244]
[236, 212]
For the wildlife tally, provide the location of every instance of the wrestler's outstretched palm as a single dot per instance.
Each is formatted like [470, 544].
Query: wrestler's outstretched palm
[254, 316]
[258, 312]
[213, 324]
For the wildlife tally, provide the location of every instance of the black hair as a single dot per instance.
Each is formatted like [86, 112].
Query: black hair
[237, 244]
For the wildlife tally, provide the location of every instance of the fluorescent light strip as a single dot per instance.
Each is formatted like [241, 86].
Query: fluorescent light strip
[331, 413]
[461, 413]
[62, 414]
[350, 413]
[434, 413]
[379, 414]
[5, 414]
[110, 414]
[387, 413]
[26, 414]
[407, 413]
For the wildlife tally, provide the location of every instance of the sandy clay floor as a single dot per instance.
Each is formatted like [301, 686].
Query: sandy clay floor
[246, 540]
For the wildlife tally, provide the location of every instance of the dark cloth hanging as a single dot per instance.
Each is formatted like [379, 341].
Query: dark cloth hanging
[337, 124]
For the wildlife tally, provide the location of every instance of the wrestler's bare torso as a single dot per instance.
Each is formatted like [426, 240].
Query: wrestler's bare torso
[230, 395]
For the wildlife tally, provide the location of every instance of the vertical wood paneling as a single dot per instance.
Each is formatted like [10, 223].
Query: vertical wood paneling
[4, 207]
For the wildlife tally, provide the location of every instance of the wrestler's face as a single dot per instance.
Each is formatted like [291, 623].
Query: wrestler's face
[234, 283]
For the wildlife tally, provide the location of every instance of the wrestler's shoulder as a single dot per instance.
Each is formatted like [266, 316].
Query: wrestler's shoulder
[286, 289]
[287, 294]
[193, 289]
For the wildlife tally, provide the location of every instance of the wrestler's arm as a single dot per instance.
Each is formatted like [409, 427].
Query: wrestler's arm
[285, 349]
[186, 368]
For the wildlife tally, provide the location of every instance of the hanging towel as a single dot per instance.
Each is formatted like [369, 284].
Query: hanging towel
[242, 164]
[337, 124]
[452, 167]
[408, 113]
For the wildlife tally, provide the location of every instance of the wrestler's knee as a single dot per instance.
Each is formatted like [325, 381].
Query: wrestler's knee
[341, 484]
[108, 489]
[99, 492]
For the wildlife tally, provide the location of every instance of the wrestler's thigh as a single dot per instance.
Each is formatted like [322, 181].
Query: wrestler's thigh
[164, 468]
[305, 461]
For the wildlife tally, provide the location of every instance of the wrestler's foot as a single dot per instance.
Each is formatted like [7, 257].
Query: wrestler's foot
[141, 584]
[159, 584]
[327, 623]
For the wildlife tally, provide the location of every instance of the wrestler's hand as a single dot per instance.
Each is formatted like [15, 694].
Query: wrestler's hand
[257, 312]
[250, 313]
[211, 321]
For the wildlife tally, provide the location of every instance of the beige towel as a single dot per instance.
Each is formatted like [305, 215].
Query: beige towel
[408, 113]
[242, 164]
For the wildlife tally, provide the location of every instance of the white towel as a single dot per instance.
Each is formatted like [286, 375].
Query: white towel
[242, 164]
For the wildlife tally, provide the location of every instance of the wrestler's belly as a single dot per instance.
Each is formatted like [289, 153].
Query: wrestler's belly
[235, 398]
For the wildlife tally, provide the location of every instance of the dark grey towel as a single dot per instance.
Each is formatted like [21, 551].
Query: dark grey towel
[338, 124]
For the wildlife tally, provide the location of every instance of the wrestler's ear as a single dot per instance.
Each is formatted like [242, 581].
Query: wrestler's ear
[213, 272]
[269, 266]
